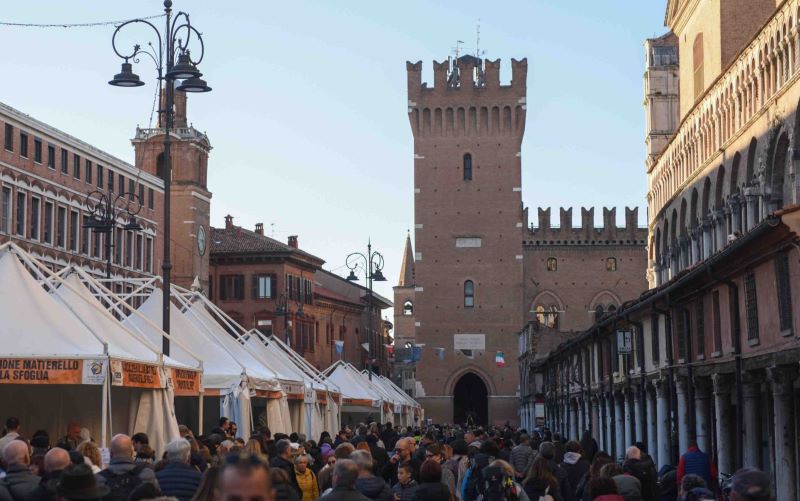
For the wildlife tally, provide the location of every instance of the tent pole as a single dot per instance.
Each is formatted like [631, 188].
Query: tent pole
[104, 412]
[200, 417]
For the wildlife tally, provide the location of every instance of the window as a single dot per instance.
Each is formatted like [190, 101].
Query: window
[682, 326]
[100, 176]
[138, 256]
[148, 256]
[110, 175]
[552, 264]
[699, 327]
[264, 327]
[37, 151]
[717, 321]
[264, 286]
[96, 244]
[35, 215]
[599, 311]
[783, 282]
[611, 264]
[655, 347]
[9, 137]
[150, 198]
[118, 246]
[85, 236]
[131, 189]
[467, 167]
[5, 210]
[121, 184]
[231, 287]
[23, 144]
[51, 156]
[20, 217]
[547, 316]
[469, 294]
[88, 173]
[751, 306]
[73, 231]
[141, 194]
[128, 248]
[64, 161]
[697, 53]
[48, 222]
[408, 307]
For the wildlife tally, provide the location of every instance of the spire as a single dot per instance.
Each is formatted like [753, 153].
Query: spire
[407, 268]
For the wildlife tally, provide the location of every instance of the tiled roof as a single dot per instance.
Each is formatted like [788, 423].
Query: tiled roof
[238, 240]
[324, 292]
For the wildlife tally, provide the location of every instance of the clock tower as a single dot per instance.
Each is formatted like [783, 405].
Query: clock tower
[190, 198]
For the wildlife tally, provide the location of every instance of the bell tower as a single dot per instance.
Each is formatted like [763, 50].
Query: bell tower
[190, 199]
[469, 225]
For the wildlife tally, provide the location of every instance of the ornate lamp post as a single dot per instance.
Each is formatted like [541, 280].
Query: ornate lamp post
[283, 311]
[373, 264]
[171, 43]
[104, 210]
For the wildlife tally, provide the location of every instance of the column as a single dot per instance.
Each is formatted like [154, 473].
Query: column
[581, 421]
[725, 421]
[652, 423]
[594, 417]
[702, 411]
[628, 424]
[683, 414]
[750, 198]
[619, 428]
[706, 238]
[751, 390]
[610, 423]
[719, 228]
[782, 378]
[573, 422]
[695, 254]
[639, 413]
[662, 423]
[736, 214]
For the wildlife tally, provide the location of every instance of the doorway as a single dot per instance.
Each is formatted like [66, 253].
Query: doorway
[470, 400]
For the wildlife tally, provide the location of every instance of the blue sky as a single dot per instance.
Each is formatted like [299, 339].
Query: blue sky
[308, 114]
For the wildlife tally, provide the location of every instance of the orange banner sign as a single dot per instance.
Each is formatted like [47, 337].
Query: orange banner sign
[40, 371]
[135, 375]
[185, 382]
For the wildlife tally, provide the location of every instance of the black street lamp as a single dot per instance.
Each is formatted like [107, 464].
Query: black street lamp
[178, 33]
[373, 264]
[283, 311]
[104, 211]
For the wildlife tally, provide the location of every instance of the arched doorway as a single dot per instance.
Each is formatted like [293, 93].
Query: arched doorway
[470, 400]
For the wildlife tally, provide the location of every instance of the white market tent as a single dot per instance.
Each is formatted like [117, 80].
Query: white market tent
[404, 407]
[360, 400]
[55, 365]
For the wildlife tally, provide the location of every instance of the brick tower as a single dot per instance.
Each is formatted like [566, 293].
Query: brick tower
[468, 131]
[191, 200]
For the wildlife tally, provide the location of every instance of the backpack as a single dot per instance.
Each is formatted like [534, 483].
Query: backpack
[498, 486]
[473, 479]
[123, 484]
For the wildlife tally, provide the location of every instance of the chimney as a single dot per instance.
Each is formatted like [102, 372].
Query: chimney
[228, 222]
[260, 228]
[293, 241]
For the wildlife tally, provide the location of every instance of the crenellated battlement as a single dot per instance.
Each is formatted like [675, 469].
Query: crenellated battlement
[587, 234]
[467, 99]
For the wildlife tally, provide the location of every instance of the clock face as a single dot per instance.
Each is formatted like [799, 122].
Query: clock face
[201, 240]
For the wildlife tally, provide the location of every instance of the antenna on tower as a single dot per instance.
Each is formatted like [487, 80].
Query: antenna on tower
[272, 229]
[478, 52]
[457, 48]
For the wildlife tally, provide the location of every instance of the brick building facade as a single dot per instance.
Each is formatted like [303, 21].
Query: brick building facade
[480, 270]
[282, 290]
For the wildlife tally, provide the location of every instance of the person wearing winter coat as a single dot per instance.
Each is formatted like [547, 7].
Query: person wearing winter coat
[405, 487]
[368, 484]
[540, 481]
[605, 489]
[641, 466]
[431, 487]
[178, 479]
[306, 480]
[522, 456]
[574, 464]
[547, 450]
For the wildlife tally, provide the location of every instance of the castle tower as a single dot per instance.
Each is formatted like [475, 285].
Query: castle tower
[468, 131]
[190, 210]
[404, 319]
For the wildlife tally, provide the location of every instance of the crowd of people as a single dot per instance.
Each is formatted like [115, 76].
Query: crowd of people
[368, 461]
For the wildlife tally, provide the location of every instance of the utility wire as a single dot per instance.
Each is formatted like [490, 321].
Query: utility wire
[73, 25]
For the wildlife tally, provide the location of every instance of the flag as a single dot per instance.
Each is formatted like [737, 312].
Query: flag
[339, 347]
[416, 353]
[389, 349]
[440, 353]
[365, 346]
[500, 359]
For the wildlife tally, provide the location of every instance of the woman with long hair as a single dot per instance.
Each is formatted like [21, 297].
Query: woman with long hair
[540, 481]
[208, 483]
[584, 491]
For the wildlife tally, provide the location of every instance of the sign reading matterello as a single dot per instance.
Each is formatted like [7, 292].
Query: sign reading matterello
[50, 371]
[469, 341]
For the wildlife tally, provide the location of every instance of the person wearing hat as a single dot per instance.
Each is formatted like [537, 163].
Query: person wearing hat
[750, 484]
[77, 482]
[55, 461]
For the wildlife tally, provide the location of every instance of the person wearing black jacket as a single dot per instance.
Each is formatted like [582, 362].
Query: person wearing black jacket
[641, 466]
[55, 461]
[404, 455]
[547, 450]
[574, 464]
[283, 460]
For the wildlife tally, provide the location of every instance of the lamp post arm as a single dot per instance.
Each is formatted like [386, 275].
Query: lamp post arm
[137, 48]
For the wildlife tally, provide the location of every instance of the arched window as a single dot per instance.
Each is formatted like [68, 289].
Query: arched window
[552, 264]
[598, 312]
[547, 316]
[408, 307]
[611, 264]
[469, 294]
[467, 167]
[697, 65]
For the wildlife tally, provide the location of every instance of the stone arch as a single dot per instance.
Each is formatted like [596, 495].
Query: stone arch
[450, 384]
[706, 200]
[719, 190]
[734, 178]
[776, 170]
[694, 217]
[546, 308]
[683, 217]
[605, 297]
[657, 251]
[751, 161]
[471, 400]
